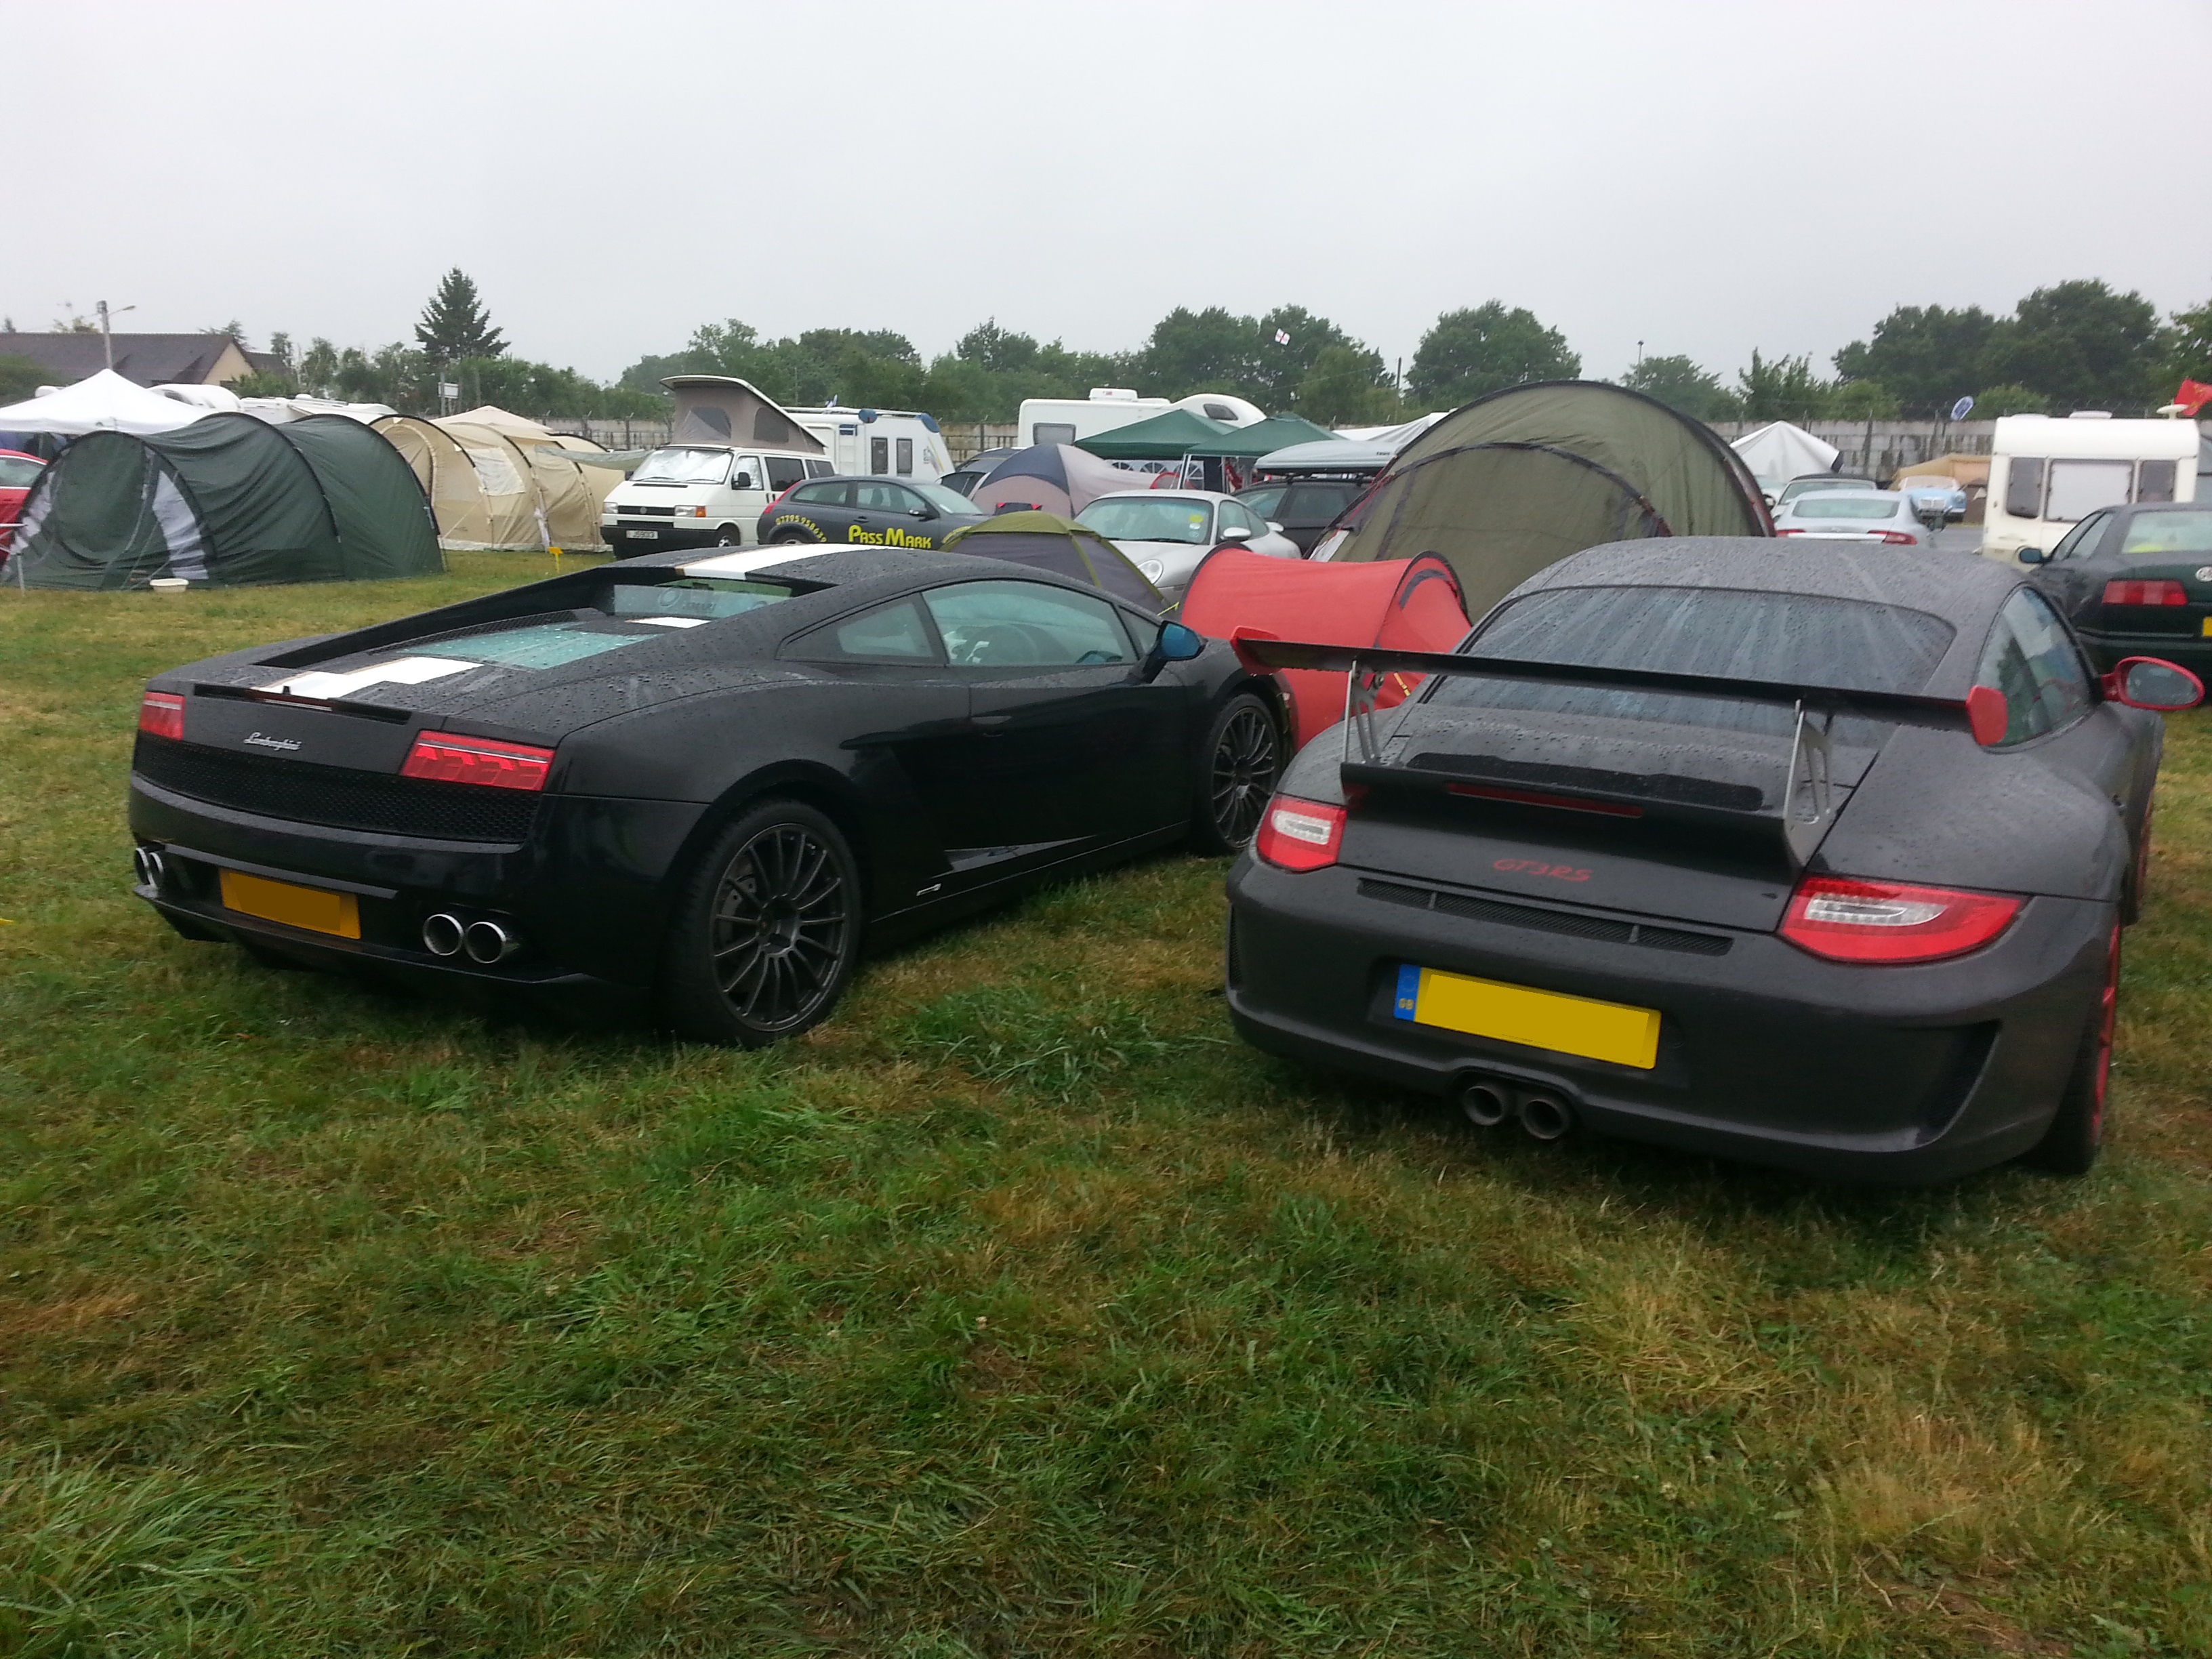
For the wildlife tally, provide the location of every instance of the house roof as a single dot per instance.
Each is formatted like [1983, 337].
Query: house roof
[148, 359]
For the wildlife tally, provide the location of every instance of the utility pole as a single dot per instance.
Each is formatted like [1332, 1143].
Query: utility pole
[1639, 354]
[107, 340]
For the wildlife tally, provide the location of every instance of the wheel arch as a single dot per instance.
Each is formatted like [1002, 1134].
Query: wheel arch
[809, 781]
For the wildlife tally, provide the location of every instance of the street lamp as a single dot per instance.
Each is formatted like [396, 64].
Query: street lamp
[107, 340]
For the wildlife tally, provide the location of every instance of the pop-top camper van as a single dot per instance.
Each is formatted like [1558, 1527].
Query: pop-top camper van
[2048, 473]
[732, 450]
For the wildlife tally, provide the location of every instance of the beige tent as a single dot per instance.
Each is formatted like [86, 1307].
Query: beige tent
[499, 482]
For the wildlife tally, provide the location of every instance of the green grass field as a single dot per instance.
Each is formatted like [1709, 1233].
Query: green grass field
[1018, 1311]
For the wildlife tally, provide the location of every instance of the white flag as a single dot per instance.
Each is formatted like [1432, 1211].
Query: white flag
[1281, 338]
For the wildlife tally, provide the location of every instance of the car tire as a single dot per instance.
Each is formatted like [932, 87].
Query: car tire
[2076, 1133]
[1239, 764]
[729, 536]
[766, 930]
[786, 538]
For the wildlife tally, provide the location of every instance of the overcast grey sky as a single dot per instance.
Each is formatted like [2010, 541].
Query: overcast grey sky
[1704, 176]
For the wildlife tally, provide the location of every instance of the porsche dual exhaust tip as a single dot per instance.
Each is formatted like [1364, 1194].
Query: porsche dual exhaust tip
[487, 942]
[148, 865]
[1542, 1114]
[441, 934]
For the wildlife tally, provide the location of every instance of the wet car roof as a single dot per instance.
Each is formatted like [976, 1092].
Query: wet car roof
[1957, 586]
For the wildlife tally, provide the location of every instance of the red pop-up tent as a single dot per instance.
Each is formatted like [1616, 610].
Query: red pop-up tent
[1399, 604]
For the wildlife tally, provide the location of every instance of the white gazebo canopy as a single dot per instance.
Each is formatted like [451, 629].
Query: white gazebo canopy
[105, 403]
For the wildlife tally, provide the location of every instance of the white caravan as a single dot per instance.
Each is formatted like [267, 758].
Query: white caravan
[1071, 420]
[889, 443]
[2047, 474]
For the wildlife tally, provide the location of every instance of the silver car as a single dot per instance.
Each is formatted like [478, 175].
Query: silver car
[1165, 532]
[1820, 483]
[1862, 516]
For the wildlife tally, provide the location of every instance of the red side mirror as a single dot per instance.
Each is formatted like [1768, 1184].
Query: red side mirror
[2155, 683]
[1987, 714]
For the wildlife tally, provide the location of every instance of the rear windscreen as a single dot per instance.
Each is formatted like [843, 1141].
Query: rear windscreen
[2150, 534]
[1866, 506]
[1793, 638]
[622, 613]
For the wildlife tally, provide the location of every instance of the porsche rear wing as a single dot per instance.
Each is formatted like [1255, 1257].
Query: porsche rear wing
[1807, 804]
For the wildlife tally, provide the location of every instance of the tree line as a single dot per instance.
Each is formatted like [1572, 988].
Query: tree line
[2073, 345]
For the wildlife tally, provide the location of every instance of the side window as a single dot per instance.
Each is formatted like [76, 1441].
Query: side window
[2032, 660]
[2080, 488]
[783, 471]
[819, 469]
[1052, 432]
[2082, 540]
[1027, 625]
[1235, 517]
[891, 632]
[823, 495]
[2023, 496]
[2155, 481]
[879, 497]
[905, 449]
[879, 455]
[750, 474]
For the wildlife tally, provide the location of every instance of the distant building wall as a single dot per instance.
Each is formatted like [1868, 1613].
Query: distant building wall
[1878, 449]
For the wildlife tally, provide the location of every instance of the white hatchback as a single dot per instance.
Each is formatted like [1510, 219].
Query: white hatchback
[1165, 532]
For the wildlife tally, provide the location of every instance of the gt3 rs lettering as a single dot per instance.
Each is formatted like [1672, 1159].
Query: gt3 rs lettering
[1538, 868]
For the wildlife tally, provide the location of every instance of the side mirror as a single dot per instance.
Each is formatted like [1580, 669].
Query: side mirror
[2032, 555]
[742, 480]
[1178, 643]
[1273, 528]
[921, 513]
[2152, 683]
[1237, 533]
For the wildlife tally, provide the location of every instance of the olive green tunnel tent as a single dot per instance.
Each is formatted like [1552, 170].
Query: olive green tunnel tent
[228, 502]
[1045, 541]
[1516, 481]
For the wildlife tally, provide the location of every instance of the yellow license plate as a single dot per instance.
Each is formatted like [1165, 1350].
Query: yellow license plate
[311, 908]
[2207, 629]
[1542, 1019]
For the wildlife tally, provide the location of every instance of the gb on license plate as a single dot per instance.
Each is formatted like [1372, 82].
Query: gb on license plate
[1542, 1019]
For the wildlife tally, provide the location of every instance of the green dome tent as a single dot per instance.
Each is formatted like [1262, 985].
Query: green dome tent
[1518, 480]
[228, 501]
[1045, 541]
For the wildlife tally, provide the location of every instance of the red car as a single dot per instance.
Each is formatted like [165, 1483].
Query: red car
[18, 472]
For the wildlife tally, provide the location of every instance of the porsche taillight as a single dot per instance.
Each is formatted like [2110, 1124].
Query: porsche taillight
[161, 715]
[2145, 592]
[446, 758]
[1299, 834]
[1885, 921]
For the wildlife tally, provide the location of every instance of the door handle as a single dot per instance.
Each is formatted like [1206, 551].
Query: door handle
[992, 720]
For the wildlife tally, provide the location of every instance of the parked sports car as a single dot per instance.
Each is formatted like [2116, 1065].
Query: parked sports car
[704, 793]
[1167, 532]
[1814, 858]
[2135, 580]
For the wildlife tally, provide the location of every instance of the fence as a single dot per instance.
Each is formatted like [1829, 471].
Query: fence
[1878, 449]
[967, 438]
[612, 434]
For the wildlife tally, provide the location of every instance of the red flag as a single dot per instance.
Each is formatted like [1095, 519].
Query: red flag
[2192, 397]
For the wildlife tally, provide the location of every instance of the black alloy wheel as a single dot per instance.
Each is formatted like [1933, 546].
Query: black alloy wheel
[1241, 760]
[768, 930]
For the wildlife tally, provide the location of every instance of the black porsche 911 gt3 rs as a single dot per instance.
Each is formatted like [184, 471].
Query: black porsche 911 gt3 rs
[1817, 859]
[702, 790]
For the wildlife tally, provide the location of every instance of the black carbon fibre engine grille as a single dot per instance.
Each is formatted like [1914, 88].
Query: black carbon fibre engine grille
[335, 795]
[1547, 921]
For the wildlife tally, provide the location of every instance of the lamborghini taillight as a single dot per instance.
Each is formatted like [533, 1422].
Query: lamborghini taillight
[445, 757]
[1299, 834]
[161, 713]
[1887, 921]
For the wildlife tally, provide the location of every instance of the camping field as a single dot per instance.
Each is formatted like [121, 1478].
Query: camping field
[1017, 1311]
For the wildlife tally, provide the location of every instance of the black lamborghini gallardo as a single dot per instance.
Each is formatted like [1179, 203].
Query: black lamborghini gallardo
[700, 792]
[1816, 858]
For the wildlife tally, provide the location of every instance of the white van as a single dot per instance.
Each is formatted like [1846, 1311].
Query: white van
[2047, 474]
[884, 443]
[700, 494]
